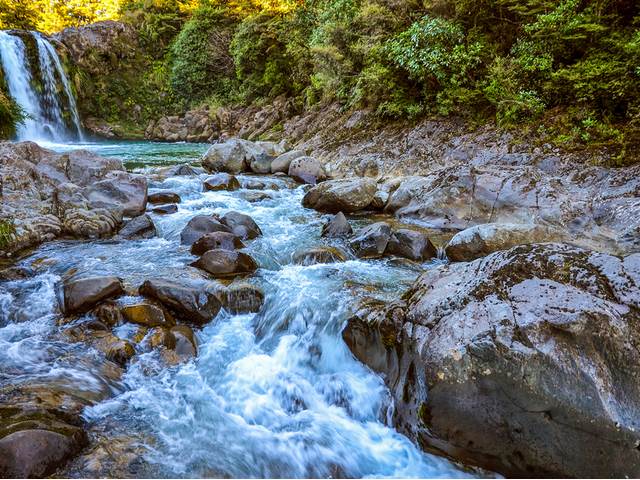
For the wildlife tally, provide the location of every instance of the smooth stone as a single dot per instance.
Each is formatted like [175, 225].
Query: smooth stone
[217, 240]
[307, 170]
[138, 228]
[199, 226]
[165, 209]
[224, 264]
[282, 163]
[189, 301]
[145, 314]
[345, 195]
[161, 198]
[411, 244]
[221, 182]
[241, 225]
[83, 294]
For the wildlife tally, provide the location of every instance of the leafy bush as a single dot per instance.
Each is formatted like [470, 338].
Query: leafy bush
[10, 117]
[201, 64]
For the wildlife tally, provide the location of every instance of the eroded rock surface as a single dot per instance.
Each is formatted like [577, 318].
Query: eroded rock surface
[525, 362]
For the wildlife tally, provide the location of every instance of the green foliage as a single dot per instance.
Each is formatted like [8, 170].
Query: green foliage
[10, 116]
[201, 64]
[7, 232]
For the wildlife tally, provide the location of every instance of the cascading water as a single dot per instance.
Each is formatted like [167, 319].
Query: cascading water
[272, 394]
[45, 119]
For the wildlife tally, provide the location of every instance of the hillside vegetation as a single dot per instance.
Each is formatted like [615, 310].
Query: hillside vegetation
[567, 70]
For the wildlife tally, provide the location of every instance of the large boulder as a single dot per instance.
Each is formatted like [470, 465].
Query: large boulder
[120, 189]
[242, 298]
[481, 240]
[281, 163]
[44, 195]
[346, 195]
[233, 156]
[81, 295]
[241, 225]
[225, 264]
[146, 315]
[199, 226]
[372, 240]
[190, 301]
[307, 170]
[163, 197]
[36, 453]
[525, 362]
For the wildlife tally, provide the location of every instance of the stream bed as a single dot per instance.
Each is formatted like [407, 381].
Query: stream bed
[272, 394]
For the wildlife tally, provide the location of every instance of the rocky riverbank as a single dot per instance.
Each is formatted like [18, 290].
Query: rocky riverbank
[518, 355]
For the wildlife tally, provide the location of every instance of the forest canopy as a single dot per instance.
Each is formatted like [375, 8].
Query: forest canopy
[571, 68]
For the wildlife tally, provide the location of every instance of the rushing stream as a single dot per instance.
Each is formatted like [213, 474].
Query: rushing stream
[273, 394]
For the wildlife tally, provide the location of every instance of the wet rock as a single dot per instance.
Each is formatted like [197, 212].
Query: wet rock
[140, 227]
[35, 453]
[481, 240]
[217, 240]
[224, 264]
[307, 170]
[233, 156]
[162, 337]
[241, 225]
[338, 226]
[411, 244]
[282, 163]
[159, 198]
[114, 348]
[371, 241]
[242, 298]
[186, 345]
[380, 199]
[318, 255]
[146, 315]
[185, 170]
[120, 189]
[348, 195]
[254, 197]
[252, 184]
[221, 181]
[165, 209]
[199, 226]
[83, 294]
[189, 301]
[503, 362]
[109, 314]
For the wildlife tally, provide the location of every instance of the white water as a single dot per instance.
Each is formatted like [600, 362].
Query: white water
[45, 112]
[273, 394]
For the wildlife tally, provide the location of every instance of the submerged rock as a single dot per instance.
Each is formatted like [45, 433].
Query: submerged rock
[313, 256]
[348, 195]
[220, 182]
[224, 264]
[165, 209]
[242, 298]
[371, 241]
[83, 294]
[481, 240]
[506, 362]
[189, 301]
[199, 226]
[307, 170]
[338, 226]
[186, 345]
[217, 240]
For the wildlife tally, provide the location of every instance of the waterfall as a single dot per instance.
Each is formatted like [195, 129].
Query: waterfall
[44, 99]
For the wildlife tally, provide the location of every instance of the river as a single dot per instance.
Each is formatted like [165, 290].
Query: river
[272, 394]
